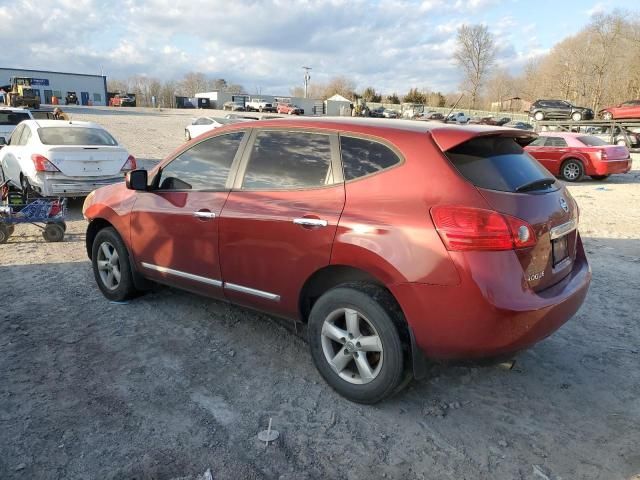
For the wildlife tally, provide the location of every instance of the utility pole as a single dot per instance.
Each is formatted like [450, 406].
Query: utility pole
[307, 77]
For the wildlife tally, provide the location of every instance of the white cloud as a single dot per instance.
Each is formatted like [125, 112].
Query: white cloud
[596, 9]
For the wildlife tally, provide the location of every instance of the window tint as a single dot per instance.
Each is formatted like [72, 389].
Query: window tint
[75, 136]
[362, 157]
[288, 160]
[538, 142]
[592, 141]
[555, 142]
[204, 166]
[13, 118]
[496, 163]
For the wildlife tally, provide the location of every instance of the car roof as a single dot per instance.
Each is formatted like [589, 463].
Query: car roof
[562, 134]
[446, 135]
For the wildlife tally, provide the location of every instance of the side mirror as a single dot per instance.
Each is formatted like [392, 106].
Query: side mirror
[136, 180]
[3, 141]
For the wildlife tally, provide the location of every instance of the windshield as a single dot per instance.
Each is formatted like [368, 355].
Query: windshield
[592, 141]
[498, 163]
[13, 118]
[75, 136]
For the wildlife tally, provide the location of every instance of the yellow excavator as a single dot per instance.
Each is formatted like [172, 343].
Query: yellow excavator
[20, 93]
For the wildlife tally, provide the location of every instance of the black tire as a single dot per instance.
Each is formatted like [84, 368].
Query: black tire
[576, 116]
[572, 170]
[378, 316]
[600, 177]
[53, 232]
[4, 233]
[125, 287]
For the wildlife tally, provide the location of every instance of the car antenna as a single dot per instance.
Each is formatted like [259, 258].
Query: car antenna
[446, 118]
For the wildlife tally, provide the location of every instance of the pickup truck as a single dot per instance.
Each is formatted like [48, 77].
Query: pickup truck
[259, 105]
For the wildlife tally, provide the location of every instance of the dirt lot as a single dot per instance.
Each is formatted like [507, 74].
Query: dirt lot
[171, 384]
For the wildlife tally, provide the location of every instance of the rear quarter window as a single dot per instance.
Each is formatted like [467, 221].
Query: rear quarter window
[591, 141]
[496, 163]
[362, 157]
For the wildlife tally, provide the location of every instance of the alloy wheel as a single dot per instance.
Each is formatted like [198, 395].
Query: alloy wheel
[352, 346]
[571, 171]
[109, 265]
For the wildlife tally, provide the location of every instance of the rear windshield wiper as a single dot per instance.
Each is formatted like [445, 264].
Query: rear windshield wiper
[536, 184]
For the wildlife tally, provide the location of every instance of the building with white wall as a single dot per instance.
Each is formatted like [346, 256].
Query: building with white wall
[90, 89]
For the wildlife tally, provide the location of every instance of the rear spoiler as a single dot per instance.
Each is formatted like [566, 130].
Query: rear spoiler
[450, 136]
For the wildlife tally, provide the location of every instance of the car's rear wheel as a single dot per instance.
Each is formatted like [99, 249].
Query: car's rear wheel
[576, 117]
[599, 177]
[572, 170]
[111, 267]
[355, 343]
[607, 116]
[539, 116]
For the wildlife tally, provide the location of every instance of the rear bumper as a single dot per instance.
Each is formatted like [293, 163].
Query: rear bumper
[56, 185]
[608, 167]
[489, 315]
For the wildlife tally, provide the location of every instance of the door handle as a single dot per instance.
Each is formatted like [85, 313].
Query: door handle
[310, 222]
[204, 214]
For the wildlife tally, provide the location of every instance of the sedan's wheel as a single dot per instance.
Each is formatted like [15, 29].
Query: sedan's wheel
[572, 170]
[111, 267]
[576, 117]
[607, 116]
[355, 343]
[187, 135]
[539, 116]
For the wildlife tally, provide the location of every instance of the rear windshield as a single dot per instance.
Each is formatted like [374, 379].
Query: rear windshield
[592, 141]
[496, 163]
[13, 118]
[75, 136]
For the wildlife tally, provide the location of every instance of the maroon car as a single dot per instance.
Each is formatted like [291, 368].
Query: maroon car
[625, 110]
[396, 241]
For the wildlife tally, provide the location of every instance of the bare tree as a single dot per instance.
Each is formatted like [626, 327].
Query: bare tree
[476, 53]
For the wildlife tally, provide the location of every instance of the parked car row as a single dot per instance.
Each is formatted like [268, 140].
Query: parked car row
[564, 110]
[262, 106]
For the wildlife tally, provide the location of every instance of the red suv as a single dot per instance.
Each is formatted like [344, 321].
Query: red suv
[396, 241]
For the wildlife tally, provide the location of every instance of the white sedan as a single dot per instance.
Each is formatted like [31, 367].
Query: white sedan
[63, 159]
[204, 124]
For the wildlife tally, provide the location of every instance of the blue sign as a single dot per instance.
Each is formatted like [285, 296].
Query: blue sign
[44, 82]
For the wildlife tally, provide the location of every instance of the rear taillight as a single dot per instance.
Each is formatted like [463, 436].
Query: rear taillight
[130, 164]
[43, 164]
[466, 228]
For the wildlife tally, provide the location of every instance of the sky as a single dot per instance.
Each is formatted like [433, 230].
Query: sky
[391, 45]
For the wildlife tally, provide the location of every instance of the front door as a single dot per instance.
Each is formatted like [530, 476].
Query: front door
[278, 224]
[174, 226]
[84, 98]
[47, 96]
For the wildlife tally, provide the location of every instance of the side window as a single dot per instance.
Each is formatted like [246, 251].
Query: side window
[288, 160]
[556, 142]
[15, 136]
[26, 135]
[204, 166]
[538, 142]
[362, 157]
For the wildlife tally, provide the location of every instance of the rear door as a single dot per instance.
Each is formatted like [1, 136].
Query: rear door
[174, 225]
[278, 224]
[500, 170]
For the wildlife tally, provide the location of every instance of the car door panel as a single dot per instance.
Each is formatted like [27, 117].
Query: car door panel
[174, 227]
[272, 241]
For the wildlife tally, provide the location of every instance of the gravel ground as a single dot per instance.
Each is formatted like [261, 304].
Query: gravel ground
[171, 384]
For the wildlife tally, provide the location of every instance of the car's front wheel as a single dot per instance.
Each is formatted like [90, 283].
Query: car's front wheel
[607, 116]
[111, 267]
[355, 343]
